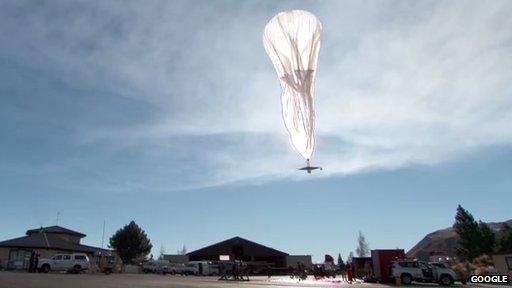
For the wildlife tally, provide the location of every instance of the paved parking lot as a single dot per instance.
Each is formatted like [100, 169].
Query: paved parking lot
[26, 280]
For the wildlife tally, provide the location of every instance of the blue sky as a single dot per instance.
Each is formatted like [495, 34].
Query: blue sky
[168, 112]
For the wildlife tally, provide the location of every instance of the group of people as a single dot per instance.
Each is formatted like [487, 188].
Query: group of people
[33, 262]
[236, 270]
[301, 272]
[346, 273]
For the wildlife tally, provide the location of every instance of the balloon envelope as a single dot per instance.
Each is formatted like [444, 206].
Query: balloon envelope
[292, 41]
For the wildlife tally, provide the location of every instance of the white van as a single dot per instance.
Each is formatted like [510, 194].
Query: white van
[74, 262]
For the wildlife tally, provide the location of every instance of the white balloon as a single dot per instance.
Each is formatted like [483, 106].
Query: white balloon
[292, 41]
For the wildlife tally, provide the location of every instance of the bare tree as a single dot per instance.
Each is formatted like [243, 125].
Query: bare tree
[183, 250]
[362, 249]
[162, 252]
[349, 258]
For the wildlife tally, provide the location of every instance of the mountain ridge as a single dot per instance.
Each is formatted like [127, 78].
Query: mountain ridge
[444, 240]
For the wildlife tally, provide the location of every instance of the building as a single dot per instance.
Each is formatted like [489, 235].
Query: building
[241, 249]
[293, 260]
[503, 262]
[47, 241]
[176, 258]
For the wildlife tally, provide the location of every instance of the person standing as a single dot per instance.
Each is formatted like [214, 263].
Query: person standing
[367, 270]
[350, 276]
[31, 262]
[36, 262]
[343, 272]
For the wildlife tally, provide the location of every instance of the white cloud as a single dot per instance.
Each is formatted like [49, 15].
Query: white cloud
[398, 84]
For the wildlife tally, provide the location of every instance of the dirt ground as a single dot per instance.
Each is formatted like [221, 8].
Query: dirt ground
[55, 280]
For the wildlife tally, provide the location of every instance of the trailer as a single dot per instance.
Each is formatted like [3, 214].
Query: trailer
[361, 267]
[381, 260]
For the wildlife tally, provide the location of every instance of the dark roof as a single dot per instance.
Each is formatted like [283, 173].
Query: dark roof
[55, 229]
[48, 241]
[226, 248]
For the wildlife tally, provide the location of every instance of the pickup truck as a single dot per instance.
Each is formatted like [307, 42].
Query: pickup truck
[411, 270]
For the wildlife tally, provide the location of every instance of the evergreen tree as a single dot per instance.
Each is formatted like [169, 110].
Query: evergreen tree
[362, 249]
[504, 241]
[340, 260]
[469, 235]
[131, 243]
[488, 238]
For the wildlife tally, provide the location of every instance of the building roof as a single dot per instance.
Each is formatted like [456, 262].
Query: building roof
[48, 241]
[55, 229]
[226, 248]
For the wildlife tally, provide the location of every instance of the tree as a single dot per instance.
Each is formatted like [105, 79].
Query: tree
[487, 238]
[131, 243]
[469, 235]
[362, 249]
[182, 251]
[349, 258]
[162, 252]
[340, 260]
[504, 241]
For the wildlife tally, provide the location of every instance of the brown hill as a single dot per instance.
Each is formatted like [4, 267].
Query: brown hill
[445, 240]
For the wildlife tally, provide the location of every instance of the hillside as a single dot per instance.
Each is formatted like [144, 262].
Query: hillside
[445, 240]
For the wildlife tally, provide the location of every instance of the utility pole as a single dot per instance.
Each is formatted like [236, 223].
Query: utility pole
[57, 222]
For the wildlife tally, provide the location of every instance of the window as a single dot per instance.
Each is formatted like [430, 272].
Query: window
[66, 257]
[80, 257]
[509, 262]
[57, 257]
[408, 264]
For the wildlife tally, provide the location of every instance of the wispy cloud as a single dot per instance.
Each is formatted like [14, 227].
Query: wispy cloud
[399, 83]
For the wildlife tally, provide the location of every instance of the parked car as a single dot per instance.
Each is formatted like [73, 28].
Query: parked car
[205, 268]
[411, 270]
[74, 262]
[107, 263]
[175, 268]
[156, 266]
[189, 269]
